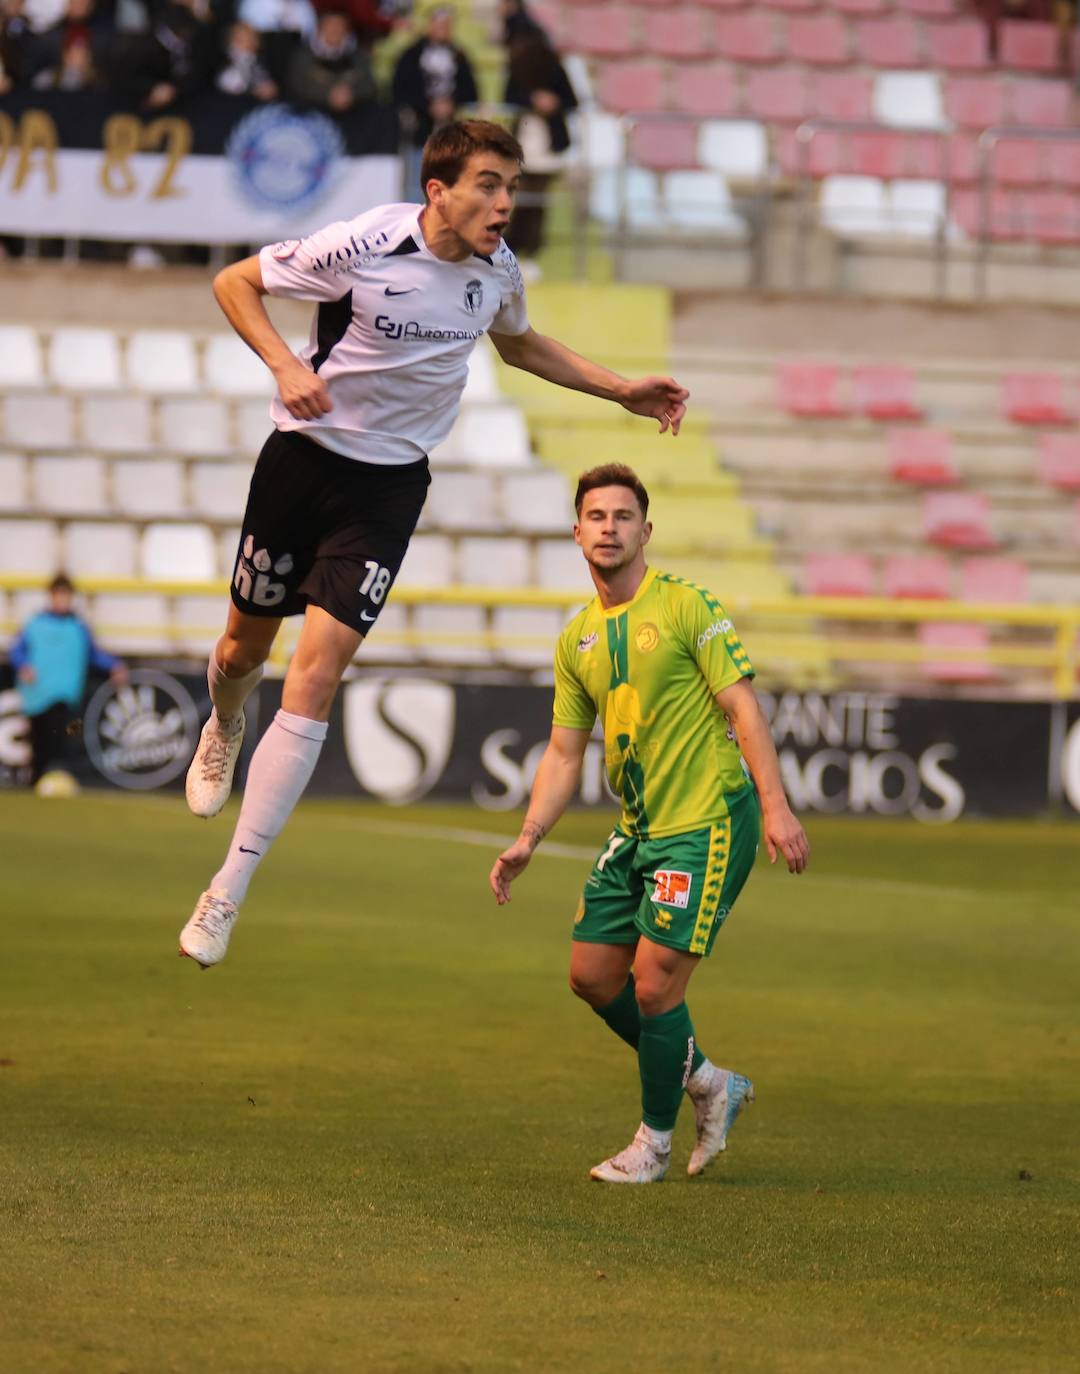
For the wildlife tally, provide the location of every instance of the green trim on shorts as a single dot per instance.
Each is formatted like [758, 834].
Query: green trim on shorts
[677, 890]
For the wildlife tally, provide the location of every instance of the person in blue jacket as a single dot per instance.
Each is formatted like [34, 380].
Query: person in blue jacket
[52, 656]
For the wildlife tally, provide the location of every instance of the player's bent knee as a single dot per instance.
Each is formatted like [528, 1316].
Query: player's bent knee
[598, 992]
[654, 995]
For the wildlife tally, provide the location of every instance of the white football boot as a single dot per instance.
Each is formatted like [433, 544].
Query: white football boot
[209, 779]
[715, 1111]
[205, 938]
[640, 1162]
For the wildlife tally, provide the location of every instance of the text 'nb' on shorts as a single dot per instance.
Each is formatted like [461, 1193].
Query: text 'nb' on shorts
[325, 530]
[676, 890]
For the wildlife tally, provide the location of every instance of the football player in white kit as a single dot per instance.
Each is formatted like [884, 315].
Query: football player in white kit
[403, 293]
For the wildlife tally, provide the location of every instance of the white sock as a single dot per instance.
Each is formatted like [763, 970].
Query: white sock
[280, 769]
[659, 1141]
[701, 1080]
[229, 693]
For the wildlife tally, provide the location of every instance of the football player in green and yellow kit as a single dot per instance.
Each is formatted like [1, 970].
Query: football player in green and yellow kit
[689, 752]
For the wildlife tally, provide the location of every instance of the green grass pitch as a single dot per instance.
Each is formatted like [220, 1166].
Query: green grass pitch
[362, 1144]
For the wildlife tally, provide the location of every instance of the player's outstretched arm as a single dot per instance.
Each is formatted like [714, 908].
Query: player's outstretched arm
[661, 398]
[239, 290]
[780, 826]
[556, 782]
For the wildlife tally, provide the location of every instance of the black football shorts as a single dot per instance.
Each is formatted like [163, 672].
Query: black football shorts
[324, 530]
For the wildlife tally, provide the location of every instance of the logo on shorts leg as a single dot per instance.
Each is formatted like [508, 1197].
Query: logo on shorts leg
[672, 888]
[251, 578]
[662, 919]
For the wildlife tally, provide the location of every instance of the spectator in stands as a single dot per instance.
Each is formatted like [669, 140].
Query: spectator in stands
[161, 69]
[331, 70]
[52, 656]
[432, 80]
[538, 85]
[517, 21]
[368, 19]
[14, 32]
[243, 72]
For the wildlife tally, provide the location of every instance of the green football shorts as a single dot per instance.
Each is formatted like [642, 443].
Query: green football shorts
[677, 890]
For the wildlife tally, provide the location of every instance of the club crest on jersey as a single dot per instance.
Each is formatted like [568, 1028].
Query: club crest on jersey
[585, 644]
[646, 637]
[672, 888]
[474, 295]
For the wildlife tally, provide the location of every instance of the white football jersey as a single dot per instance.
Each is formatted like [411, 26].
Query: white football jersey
[394, 329]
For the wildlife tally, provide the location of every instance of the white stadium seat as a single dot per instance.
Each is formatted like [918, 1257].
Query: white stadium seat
[462, 501]
[537, 501]
[393, 620]
[559, 564]
[466, 622]
[702, 200]
[496, 561]
[220, 490]
[100, 549]
[253, 427]
[39, 421]
[603, 140]
[855, 205]
[493, 435]
[84, 359]
[148, 487]
[21, 363]
[228, 542]
[121, 424]
[735, 147]
[909, 100]
[917, 207]
[199, 621]
[640, 189]
[194, 426]
[537, 627]
[162, 361]
[178, 553]
[14, 477]
[64, 485]
[131, 624]
[29, 547]
[429, 562]
[231, 369]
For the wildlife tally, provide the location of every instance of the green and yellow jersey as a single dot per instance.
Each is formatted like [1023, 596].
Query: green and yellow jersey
[650, 670]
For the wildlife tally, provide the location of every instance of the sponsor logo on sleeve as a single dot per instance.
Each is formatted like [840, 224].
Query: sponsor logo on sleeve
[586, 643]
[718, 627]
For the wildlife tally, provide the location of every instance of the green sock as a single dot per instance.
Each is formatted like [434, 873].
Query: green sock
[623, 1017]
[665, 1060]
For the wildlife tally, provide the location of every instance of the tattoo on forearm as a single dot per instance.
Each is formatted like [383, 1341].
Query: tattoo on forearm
[533, 830]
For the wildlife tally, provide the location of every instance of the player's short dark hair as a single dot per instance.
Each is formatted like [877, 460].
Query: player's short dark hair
[61, 583]
[451, 145]
[612, 475]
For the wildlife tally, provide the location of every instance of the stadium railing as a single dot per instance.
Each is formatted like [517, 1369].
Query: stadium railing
[1044, 640]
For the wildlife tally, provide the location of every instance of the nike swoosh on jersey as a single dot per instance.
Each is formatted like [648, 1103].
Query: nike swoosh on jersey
[389, 291]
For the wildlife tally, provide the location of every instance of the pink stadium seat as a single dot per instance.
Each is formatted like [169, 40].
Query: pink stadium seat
[838, 574]
[777, 94]
[888, 42]
[1042, 104]
[723, 4]
[818, 158]
[975, 102]
[1062, 163]
[664, 147]
[1076, 525]
[1059, 461]
[960, 45]
[1035, 398]
[706, 89]
[1005, 219]
[861, 6]
[747, 36]
[994, 579]
[923, 457]
[794, 5]
[632, 87]
[917, 576]
[819, 39]
[941, 636]
[810, 390]
[929, 9]
[1051, 216]
[963, 158]
[604, 32]
[957, 520]
[1016, 161]
[1028, 46]
[841, 95]
[678, 33]
[885, 392]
